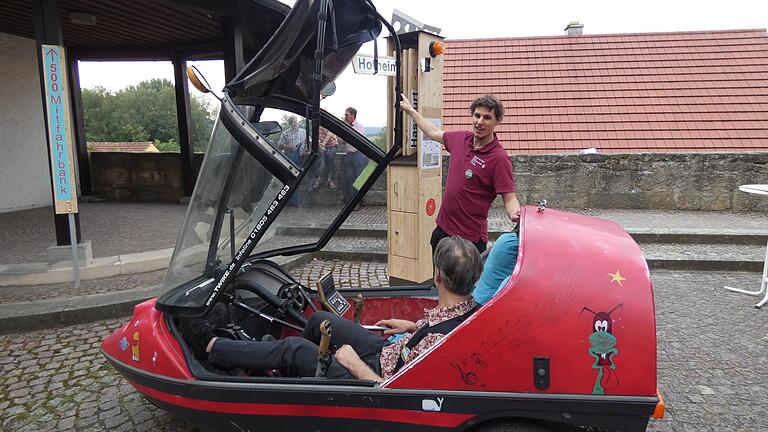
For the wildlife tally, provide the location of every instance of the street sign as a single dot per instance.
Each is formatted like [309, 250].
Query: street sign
[363, 64]
[59, 119]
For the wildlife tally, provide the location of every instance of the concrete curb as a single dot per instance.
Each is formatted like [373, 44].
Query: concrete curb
[44, 273]
[54, 312]
[62, 311]
[640, 235]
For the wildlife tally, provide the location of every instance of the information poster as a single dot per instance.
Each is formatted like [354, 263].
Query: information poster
[59, 122]
[431, 151]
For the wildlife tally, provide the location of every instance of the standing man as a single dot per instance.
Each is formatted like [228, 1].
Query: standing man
[292, 141]
[354, 161]
[479, 170]
[328, 143]
[292, 144]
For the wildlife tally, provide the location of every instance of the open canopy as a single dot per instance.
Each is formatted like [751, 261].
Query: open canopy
[247, 178]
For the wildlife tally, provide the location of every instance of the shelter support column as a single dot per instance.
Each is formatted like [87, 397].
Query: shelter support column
[48, 32]
[184, 119]
[83, 161]
[233, 46]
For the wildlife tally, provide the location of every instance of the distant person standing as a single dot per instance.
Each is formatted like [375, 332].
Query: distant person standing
[328, 144]
[292, 143]
[479, 170]
[354, 161]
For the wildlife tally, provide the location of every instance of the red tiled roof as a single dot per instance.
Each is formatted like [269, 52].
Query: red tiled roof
[131, 147]
[647, 92]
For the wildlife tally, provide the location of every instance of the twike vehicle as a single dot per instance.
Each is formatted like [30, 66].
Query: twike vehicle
[569, 341]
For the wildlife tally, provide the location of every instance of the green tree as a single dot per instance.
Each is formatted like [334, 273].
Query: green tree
[144, 112]
[380, 140]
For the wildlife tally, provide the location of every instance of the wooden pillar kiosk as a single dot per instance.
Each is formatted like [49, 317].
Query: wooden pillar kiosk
[414, 180]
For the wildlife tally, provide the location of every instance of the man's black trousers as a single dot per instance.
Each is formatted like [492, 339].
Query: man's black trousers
[299, 354]
[438, 234]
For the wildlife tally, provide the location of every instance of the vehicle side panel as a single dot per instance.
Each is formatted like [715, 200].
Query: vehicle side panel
[572, 271]
[146, 343]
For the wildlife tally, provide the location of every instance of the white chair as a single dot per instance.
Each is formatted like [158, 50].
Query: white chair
[759, 190]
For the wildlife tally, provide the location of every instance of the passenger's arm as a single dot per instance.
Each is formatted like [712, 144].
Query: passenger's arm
[347, 357]
[431, 131]
[512, 206]
[397, 326]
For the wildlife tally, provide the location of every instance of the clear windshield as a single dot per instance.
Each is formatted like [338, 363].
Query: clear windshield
[234, 191]
[233, 185]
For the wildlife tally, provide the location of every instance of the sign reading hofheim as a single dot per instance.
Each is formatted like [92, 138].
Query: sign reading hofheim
[363, 64]
[58, 117]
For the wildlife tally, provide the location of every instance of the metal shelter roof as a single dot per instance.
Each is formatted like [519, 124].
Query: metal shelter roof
[147, 29]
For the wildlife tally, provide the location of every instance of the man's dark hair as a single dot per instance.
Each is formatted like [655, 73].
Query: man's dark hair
[489, 102]
[352, 111]
[459, 264]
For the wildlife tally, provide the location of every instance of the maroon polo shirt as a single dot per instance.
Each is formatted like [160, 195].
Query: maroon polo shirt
[475, 177]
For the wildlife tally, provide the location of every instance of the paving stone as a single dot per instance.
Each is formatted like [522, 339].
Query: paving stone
[66, 424]
[19, 392]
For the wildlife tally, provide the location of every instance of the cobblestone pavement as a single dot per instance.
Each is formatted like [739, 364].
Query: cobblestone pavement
[336, 244]
[712, 351]
[711, 357]
[16, 294]
[58, 380]
[346, 274]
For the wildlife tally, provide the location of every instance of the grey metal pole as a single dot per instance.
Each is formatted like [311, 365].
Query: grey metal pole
[75, 255]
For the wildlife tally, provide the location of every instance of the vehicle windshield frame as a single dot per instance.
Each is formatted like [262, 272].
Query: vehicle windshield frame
[289, 174]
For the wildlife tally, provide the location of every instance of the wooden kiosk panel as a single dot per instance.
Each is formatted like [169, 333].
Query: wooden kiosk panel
[414, 181]
[401, 228]
[404, 187]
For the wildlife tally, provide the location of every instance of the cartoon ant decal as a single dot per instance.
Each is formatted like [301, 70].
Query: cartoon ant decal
[603, 348]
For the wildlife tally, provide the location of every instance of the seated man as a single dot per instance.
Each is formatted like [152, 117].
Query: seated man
[499, 266]
[363, 354]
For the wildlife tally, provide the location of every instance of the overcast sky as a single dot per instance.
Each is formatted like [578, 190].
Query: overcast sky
[485, 19]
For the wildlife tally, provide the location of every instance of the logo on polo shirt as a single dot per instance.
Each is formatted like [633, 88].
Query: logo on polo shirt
[468, 174]
[476, 161]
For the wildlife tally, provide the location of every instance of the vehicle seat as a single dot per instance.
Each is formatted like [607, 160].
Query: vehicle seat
[498, 267]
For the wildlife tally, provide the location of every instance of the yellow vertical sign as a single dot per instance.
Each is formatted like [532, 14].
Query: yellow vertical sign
[59, 119]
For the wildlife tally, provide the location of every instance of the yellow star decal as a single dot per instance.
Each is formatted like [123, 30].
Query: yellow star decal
[616, 277]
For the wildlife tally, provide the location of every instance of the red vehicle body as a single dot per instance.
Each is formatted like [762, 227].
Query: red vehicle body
[576, 277]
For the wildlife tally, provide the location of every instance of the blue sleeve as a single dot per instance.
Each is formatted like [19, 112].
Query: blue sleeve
[498, 267]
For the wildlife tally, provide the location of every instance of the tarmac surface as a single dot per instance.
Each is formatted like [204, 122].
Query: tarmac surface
[126, 228]
[711, 357]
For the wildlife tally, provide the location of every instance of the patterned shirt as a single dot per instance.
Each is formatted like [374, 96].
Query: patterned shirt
[391, 353]
[292, 140]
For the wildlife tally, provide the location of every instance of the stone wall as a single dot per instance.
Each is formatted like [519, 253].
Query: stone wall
[148, 177]
[707, 181]
[632, 181]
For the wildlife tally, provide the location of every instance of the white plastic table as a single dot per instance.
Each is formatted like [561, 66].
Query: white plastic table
[759, 189]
